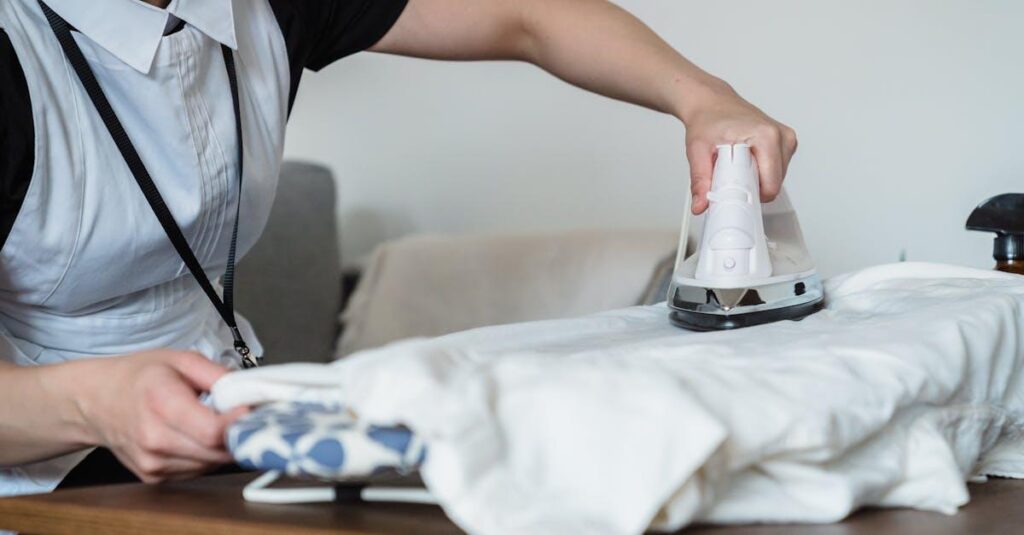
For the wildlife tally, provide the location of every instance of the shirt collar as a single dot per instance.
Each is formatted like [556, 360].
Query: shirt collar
[131, 29]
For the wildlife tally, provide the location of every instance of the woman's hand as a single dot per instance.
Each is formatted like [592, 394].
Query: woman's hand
[144, 407]
[720, 116]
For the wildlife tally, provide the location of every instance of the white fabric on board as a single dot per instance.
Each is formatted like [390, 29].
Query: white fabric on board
[907, 385]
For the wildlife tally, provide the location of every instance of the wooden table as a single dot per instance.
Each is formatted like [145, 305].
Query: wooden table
[214, 505]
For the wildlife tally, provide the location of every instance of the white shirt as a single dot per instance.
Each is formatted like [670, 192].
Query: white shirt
[86, 269]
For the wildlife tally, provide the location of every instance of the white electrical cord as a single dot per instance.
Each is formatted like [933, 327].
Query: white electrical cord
[257, 492]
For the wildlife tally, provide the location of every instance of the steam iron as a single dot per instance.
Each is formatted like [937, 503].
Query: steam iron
[751, 265]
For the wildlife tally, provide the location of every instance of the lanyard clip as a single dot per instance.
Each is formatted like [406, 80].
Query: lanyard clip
[248, 360]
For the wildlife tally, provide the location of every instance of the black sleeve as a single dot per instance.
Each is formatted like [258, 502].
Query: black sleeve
[17, 137]
[320, 32]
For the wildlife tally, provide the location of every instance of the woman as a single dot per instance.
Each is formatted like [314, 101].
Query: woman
[124, 126]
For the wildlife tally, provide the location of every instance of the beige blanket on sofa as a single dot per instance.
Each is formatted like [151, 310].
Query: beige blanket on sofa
[435, 285]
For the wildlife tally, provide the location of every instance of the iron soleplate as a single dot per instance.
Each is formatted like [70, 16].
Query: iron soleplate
[704, 322]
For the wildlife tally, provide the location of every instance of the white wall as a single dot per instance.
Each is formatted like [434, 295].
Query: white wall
[909, 113]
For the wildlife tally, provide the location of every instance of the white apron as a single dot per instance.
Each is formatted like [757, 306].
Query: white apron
[87, 270]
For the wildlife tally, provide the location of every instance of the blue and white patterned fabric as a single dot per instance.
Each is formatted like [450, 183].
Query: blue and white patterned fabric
[308, 439]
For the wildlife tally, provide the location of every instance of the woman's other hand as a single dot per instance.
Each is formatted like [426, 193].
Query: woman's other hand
[145, 408]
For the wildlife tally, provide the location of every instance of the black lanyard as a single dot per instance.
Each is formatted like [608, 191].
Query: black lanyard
[131, 157]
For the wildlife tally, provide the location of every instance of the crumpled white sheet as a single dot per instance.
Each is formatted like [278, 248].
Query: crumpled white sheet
[906, 386]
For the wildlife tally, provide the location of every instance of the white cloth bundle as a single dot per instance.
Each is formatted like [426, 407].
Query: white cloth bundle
[906, 386]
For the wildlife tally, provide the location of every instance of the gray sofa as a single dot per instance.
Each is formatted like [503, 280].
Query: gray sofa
[289, 284]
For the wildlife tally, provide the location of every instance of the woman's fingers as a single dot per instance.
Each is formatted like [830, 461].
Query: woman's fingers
[171, 442]
[789, 146]
[153, 468]
[229, 417]
[176, 405]
[770, 164]
[701, 156]
[183, 428]
[772, 156]
[197, 370]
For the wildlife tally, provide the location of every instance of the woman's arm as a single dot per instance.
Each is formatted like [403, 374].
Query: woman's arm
[35, 424]
[143, 407]
[599, 47]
